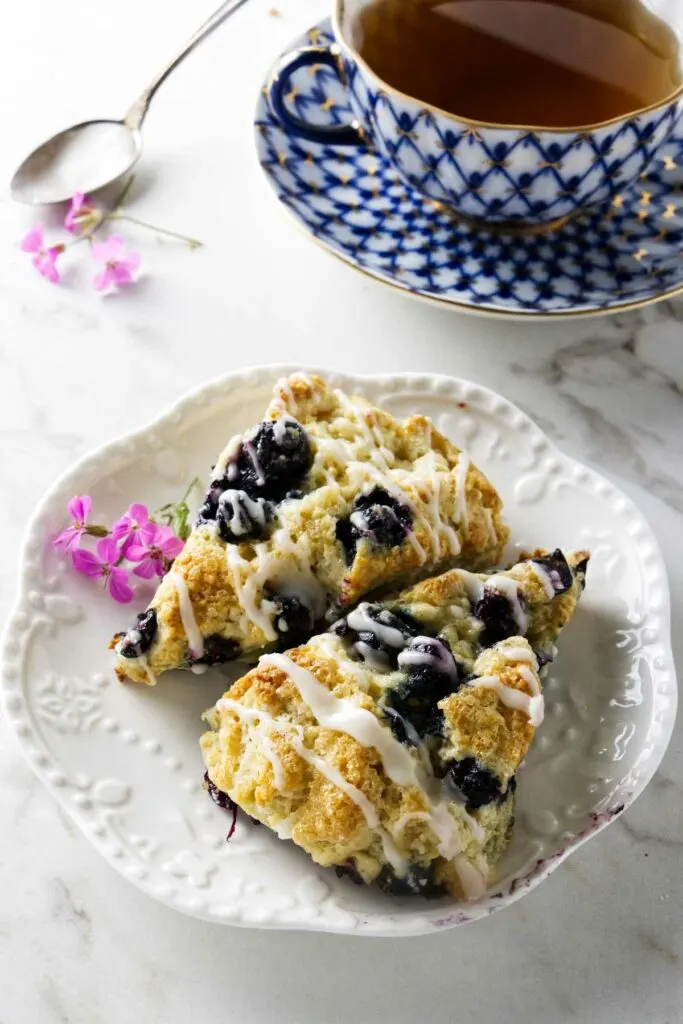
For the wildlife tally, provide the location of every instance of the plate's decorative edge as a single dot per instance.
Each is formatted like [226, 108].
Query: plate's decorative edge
[18, 629]
[469, 309]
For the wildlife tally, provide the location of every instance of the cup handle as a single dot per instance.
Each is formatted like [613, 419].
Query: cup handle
[351, 134]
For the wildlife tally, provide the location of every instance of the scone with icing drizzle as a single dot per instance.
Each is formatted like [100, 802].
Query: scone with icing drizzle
[326, 499]
[388, 746]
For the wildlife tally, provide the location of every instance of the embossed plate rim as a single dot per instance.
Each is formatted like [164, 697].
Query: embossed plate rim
[424, 919]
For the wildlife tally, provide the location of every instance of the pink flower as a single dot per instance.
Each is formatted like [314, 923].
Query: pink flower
[126, 528]
[118, 265]
[44, 259]
[103, 564]
[81, 214]
[79, 510]
[159, 546]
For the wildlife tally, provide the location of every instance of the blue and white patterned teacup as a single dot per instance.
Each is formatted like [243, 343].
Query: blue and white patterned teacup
[494, 173]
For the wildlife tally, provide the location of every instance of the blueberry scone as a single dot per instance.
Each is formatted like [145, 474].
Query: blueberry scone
[326, 499]
[387, 747]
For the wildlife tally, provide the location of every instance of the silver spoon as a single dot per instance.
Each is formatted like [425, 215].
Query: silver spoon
[90, 155]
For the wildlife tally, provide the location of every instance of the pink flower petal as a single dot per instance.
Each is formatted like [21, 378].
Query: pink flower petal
[138, 513]
[102, 280]
[77, 202]
[33, 239]
[118, 586]
[133, 261]
[149, 532]
[116, 245]
[67, 538]
[87, 563]
[172, 547]
[121, 275]
[121, 528]
[163, 534]
[136, 552]
[108, 550]
[44, 262]
[100, 251]
[79, 508]
[146, 569]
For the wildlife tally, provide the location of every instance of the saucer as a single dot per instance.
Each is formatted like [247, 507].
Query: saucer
[353, 202]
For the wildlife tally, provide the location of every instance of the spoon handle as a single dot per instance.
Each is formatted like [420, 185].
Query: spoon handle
[136, 114]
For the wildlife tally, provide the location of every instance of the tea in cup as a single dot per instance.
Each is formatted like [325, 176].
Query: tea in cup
[512, 112]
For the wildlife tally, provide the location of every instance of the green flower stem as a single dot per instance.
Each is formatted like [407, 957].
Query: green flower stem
[193, 243]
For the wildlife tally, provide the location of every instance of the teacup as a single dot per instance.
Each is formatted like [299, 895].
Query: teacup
[505, 176]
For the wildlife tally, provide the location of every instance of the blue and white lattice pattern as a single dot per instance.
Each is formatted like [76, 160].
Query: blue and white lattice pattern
[355, 202]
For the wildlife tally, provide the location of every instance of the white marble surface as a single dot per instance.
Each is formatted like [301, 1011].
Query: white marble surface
[602, 940]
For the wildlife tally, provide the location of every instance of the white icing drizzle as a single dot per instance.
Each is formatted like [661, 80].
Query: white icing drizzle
[473, 585]
[477, 830]
[472, 879]
[491, 530]
[192, 631]
[436, 657]
[461, 489]
[517, 699]
[284, 828]
[280, 427]
[360, 620]
[510, 588]
[520, 654]
[438, 528]
[228, 454]
[543, 577]
[300, 580]
[245, 510]
[263, 723]
[258, 468]
[378, 660]
[247, 584]
[285, 384]
[144, 661]
[406, 818]
[332, 648]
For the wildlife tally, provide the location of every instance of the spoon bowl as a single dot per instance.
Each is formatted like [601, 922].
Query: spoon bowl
[83, 158]
[90, 155]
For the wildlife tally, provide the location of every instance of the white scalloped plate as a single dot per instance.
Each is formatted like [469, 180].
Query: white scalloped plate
[124, 760]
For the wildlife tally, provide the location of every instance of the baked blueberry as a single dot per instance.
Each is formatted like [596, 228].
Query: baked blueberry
[209, 508]
[377, 515]
[377, 634]
[349, 870]
[139, 639]
[218, 649]
[224, 801]
[432, 673]
[475, 783]
[495, 612]
[267, 463]
[293, 619]
[580, 570]
[241, 518]
[557, 569]
[418, 881]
